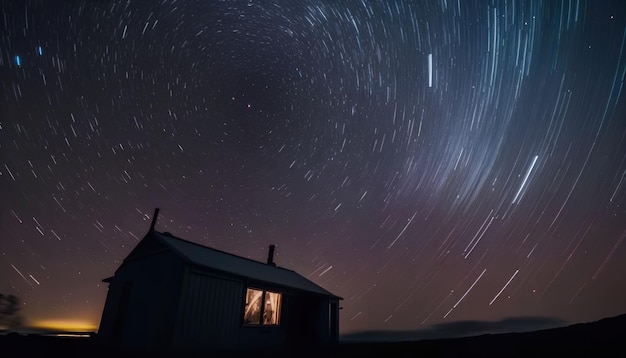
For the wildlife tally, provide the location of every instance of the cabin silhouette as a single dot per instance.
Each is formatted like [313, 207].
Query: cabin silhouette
[174, 294]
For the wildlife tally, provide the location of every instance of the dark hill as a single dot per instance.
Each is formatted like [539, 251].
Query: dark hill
[603, 338]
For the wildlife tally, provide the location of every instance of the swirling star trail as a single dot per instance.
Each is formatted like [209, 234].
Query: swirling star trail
[428, 161]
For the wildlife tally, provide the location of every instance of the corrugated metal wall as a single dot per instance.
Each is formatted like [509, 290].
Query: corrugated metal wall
[142, 314]
[210, 313]
[110, 312]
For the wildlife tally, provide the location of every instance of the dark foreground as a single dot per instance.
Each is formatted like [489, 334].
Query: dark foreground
[605, 338]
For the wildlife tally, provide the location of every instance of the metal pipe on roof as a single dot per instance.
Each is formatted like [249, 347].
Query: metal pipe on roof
[270, 256]
[154, 218]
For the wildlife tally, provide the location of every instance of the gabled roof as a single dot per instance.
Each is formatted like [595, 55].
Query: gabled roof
[222, 261]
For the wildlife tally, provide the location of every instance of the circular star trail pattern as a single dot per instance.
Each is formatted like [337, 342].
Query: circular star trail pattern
[428, 161]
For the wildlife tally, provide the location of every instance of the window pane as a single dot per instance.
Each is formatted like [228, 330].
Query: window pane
[271, 312]
[252, 314]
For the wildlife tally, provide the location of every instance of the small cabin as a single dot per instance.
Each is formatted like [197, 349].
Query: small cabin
[174, 294]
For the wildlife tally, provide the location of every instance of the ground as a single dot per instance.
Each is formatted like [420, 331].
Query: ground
[604, 338]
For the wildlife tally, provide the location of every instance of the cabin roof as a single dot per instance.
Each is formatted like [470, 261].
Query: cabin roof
[223, 261]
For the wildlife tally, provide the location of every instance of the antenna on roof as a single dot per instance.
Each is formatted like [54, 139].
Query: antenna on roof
[154, 219]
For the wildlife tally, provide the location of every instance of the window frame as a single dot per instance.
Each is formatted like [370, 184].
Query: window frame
[262, 299]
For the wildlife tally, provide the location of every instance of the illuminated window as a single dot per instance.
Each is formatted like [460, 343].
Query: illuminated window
[262, 307]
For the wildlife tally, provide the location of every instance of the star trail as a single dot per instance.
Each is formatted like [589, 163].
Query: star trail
[428, 161]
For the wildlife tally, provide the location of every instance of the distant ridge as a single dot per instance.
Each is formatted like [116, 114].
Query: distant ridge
[603, 338]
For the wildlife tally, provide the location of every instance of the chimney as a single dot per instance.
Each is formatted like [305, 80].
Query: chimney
[270, 256]
[154, 218]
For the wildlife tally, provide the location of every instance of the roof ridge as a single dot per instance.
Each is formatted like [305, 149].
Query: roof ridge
[195, 253]
[171, 236]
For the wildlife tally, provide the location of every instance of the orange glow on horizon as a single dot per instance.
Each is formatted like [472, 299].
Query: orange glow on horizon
[65, 325]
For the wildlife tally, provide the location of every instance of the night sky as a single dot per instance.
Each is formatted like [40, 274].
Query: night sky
[428, 161]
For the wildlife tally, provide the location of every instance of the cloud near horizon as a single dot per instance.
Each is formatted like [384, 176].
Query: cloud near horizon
[460, 329]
